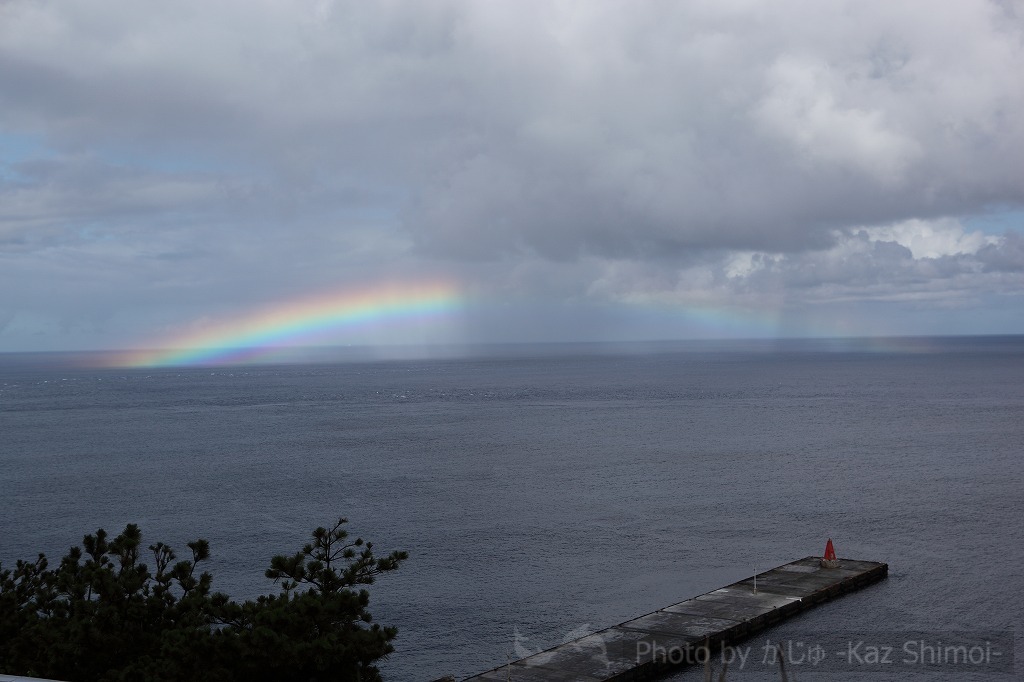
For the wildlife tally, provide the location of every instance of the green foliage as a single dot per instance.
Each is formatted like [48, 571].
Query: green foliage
[103, 615]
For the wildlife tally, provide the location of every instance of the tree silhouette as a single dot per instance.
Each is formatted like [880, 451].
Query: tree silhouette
[103, 615]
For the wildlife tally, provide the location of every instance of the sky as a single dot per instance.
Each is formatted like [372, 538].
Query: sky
[561, 170]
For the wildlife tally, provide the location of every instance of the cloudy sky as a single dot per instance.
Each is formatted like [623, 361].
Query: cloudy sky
[575, 170]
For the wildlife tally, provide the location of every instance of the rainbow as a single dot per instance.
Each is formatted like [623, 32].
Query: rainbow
[311, 321]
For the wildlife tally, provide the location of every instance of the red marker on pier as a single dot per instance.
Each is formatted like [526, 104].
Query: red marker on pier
[830, 560]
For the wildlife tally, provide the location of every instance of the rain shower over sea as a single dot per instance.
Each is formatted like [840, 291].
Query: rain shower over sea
[544, 491]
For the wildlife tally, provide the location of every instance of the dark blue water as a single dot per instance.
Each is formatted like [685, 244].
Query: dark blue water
[548, 490]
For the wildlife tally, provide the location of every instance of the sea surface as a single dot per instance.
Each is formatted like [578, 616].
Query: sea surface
[547, 491]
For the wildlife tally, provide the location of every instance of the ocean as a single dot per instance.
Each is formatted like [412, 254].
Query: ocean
[547, 491]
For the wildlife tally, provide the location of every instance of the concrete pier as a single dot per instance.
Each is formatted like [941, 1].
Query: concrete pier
[652, 644]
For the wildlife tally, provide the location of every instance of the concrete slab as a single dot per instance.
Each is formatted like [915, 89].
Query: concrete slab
[602, 654]
[745, 593]
[688, 625]
[785, 588]
[734, 610]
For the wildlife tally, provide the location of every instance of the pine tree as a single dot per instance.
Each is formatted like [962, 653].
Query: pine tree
[103, 615]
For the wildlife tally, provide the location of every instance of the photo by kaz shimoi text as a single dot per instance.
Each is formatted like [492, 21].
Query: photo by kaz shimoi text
[933, 652]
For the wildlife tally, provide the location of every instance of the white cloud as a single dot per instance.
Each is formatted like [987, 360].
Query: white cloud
[932, 239]
[802, 107]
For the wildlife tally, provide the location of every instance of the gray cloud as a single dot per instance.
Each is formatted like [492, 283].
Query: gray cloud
[716, 153]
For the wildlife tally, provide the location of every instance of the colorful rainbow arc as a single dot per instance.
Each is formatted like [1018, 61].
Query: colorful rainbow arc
[297, 323]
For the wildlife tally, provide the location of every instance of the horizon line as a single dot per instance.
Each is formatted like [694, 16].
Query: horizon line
[483, 345]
